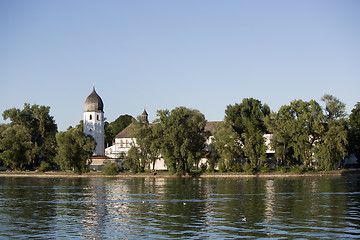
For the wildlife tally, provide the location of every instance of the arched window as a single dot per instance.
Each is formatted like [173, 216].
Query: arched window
[97, 117]
[90, 117]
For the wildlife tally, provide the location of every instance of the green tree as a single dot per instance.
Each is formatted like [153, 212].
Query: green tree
[3, 127]
[73, 150]
[354, 132]
[308, 129]
[111, 168]
[334, 108]
[282, 126]
[247, 119]
[332, 147]
[113, 128]
[108, 135]
[183, 138]
[42, 128]
[148, 139]
[80, 126]
[227, 145]
[132, 160]
[15, 143]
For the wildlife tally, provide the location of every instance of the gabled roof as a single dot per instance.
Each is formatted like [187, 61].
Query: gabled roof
[210, 126]
[128, 132]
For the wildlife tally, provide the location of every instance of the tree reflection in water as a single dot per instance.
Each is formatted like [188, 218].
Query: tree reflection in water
[191, 208]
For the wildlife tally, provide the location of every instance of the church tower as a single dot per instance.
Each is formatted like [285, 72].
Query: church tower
[94, 121]
[144, 117]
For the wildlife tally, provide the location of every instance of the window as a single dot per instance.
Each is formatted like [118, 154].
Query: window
[90, 117]
[97, 117]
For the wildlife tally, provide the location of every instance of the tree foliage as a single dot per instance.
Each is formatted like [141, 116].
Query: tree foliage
[308, 129]
[354, 138]
[113, 128]
[332, 147]
[15, 143]
[132, 160]
[282, 126]
[182, 138]
[227, 145]
[334, 108]
[148, 138]
[111, 168]
[41, 127]
[73, 150]
[247, 119]
[304, 133]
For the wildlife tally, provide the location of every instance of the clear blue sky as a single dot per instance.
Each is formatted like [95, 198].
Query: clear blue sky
[200, 54]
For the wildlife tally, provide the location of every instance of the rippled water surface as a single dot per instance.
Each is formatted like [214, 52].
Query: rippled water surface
[188, 208]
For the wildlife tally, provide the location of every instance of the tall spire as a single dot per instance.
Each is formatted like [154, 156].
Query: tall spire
[144, 116]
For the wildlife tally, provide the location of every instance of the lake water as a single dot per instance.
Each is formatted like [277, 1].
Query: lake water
[188, 208]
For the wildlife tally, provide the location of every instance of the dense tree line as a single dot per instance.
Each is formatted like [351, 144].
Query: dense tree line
[31, 141]
[303, 134]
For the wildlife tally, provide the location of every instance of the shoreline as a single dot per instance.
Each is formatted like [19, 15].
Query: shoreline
[167, 175]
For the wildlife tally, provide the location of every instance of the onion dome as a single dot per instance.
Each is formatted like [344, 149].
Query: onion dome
[93, 103]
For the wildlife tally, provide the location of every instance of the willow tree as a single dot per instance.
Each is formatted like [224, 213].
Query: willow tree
[282, 126]
[332, 147]
[182, 138]
[247, 119]
[227, 145]
[308, 129]
[354, 122]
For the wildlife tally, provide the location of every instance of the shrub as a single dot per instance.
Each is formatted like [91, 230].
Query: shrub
[235, 167]
[281, 169]
[299, 169]
[222, 167]
[111, 168]
[44, 166]
[265, 168]
[248, 168]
